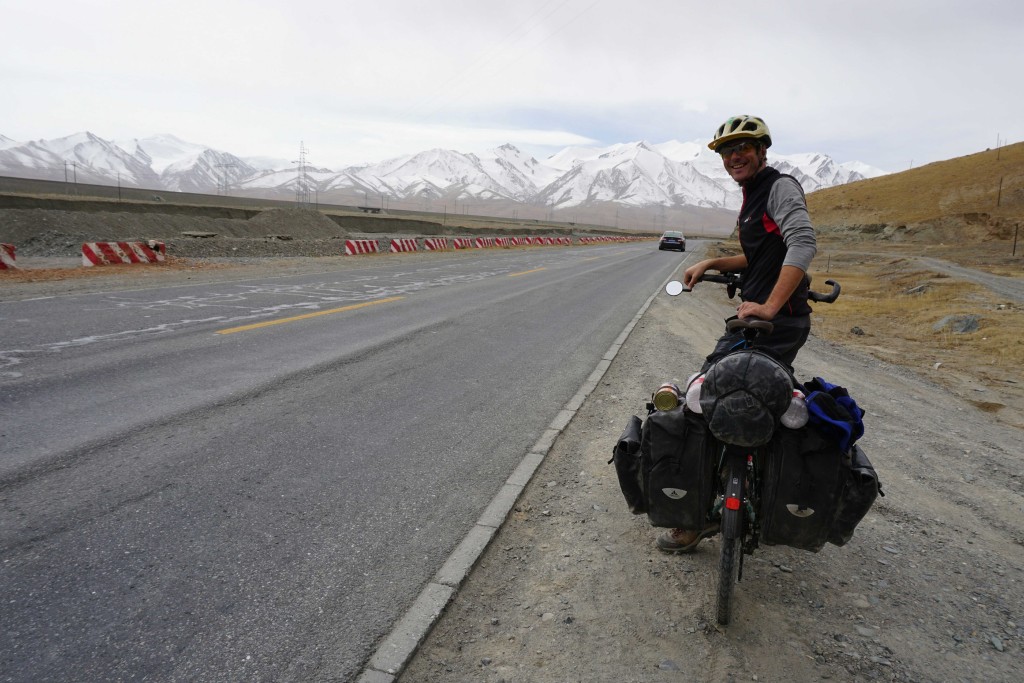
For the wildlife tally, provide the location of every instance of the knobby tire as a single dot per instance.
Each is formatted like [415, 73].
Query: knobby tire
[732, 537]
[728, 569]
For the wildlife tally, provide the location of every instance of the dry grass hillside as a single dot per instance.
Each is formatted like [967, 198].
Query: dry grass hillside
[879, 237]
[980, 196]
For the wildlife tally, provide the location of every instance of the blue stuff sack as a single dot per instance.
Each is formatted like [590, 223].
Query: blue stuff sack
[834, 413]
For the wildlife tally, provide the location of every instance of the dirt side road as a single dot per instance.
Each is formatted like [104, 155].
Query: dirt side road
[931, 588]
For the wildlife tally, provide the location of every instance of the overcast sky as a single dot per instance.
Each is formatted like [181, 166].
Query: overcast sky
[887, 82]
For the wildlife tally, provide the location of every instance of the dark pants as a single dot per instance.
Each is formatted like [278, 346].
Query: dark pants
[788, 335]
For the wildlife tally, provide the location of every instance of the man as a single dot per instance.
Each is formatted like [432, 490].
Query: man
[778, 243]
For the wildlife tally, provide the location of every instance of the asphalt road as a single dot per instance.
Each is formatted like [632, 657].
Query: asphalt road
[253, 480]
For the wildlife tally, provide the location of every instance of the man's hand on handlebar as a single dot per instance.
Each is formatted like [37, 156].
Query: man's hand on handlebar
[693, 274]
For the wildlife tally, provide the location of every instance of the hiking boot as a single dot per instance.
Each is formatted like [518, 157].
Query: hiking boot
[682, 541]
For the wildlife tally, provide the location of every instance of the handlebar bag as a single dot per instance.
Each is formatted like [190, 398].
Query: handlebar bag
[804, 477]
[677, 464]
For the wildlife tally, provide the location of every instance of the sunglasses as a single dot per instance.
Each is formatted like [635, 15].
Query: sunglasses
[740, 147]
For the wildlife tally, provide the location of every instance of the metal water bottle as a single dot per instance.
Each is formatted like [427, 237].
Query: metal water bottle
[667, 396]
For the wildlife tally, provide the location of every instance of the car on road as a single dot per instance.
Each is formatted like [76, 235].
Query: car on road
[672, 239]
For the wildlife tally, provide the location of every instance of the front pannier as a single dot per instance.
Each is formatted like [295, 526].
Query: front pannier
[677, 464]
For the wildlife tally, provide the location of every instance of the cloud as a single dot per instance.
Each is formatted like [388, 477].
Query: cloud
[882, 82]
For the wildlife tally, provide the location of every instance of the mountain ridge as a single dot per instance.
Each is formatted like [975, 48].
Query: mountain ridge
[635, 174]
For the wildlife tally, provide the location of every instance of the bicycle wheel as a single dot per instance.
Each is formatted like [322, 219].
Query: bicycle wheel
[732, 536]
[728, 566]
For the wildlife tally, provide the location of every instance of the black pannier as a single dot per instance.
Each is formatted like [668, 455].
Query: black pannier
[678, 458]
[813, 492]
[803, 481]
[862, 488]
[626, 457]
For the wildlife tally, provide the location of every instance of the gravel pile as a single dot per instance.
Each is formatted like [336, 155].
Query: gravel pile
[275, 232]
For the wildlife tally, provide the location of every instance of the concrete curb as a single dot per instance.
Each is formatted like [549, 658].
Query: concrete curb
[395, 651]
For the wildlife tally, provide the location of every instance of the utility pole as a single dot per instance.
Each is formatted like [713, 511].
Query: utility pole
[301, 185]
[224, 178]
[74, 171]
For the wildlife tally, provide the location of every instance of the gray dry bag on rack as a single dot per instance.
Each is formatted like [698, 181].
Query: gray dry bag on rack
[743, 396]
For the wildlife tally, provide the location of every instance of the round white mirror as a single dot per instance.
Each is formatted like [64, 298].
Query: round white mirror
[674, 288]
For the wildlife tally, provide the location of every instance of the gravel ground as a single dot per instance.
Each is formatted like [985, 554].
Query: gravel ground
[931, 588]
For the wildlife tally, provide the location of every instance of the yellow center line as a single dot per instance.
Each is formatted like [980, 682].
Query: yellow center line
[526, 272]
[281, 321]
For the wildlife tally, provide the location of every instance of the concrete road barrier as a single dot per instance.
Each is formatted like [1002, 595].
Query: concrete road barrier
[111, 253]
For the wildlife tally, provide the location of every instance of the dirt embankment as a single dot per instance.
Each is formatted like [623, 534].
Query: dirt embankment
[202, 232]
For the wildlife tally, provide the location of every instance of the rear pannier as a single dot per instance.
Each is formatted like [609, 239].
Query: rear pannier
[678, 458]
[803, 480]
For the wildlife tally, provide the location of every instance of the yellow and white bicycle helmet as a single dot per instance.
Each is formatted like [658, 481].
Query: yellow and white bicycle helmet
[740, 127]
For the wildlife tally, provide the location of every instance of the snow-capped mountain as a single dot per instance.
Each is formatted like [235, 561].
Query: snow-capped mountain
[86, 157]
[637, 174]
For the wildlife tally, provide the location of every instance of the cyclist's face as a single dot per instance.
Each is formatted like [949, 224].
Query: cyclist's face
[742, 160]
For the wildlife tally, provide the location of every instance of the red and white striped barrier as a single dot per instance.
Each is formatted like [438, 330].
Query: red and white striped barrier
[401, 244]
[462, 242]
[435, 243]
[354, 247]
[504, 241]
[7, 257]
[110, 253]
[483, 242]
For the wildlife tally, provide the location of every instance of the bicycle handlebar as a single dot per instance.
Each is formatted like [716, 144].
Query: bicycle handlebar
[825, 298]
[734, 281]
[724, 278]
